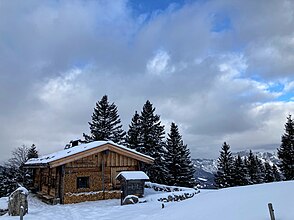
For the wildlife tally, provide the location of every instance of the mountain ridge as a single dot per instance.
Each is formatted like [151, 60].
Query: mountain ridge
[206, 168]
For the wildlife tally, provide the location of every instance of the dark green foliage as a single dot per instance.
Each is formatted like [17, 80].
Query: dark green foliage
[179, 165]
[252, 168]
[13, 173]
[150, 141]
[32, 153]
[8, 181]
[240, 174]
[152, 132]
[268, 173]
[223, 177]
[134, 134]
[260, 170]
[276, 173]
[106, 124]
[286, 151]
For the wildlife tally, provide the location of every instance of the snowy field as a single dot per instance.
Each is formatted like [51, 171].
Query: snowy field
[238, 203]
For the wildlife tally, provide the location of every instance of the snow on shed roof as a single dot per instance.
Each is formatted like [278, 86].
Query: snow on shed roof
[77, 149]
[133, 175]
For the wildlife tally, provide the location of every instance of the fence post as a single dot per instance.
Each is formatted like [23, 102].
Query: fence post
[21, 213]
[271, 211]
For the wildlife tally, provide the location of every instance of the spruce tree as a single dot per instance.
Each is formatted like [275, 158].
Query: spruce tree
[133, 135]
[286, 151]
[223, 177]
[260, 170]
[151, 142]
[252, 168]
[106, 124]
[240, 175]
[276, 173]
[179, 165]
[32, 153]
[9, 181]
[269, 175]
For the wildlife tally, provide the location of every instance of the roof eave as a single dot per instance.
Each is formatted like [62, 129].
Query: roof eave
[36, 165]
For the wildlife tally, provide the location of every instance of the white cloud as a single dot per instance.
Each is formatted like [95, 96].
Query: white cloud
[60, 88]
[216, 86]
[159, 64]
[289, 86]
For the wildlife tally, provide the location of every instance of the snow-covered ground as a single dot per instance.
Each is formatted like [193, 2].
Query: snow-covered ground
[3, 202]
[238, 203]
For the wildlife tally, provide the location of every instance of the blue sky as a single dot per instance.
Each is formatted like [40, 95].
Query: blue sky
[221, 70]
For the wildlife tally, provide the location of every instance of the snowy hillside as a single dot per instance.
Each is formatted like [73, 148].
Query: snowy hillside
[242, 203]
[205, 168]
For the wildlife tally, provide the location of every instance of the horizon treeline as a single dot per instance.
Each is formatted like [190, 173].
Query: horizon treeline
[251, 170]
[241, 171]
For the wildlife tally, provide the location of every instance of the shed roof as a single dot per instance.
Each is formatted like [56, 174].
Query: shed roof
[132, 175]
[85, 150]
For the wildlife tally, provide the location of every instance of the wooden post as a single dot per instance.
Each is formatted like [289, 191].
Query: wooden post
[21, 213]
[103, 170]
[271, 210]
[61, 184]
[121, 197]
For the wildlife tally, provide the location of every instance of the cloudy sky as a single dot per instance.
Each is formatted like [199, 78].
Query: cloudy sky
[223, 70]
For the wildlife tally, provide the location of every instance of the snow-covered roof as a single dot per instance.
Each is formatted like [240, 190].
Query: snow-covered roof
[133, 175]
[78, 149]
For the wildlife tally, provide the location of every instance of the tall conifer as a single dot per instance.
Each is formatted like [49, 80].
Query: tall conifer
[179, 165]
[252, 168]
[223, 177]
[134, 133]
[269, 175]
[33, 153]
[286, 151]
[105, 124]
[240, 175]
[276, 173]
[151, 142]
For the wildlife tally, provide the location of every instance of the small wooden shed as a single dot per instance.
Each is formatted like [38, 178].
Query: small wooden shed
[132, 182]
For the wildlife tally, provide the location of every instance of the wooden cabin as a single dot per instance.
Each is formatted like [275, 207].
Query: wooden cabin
[85, 172]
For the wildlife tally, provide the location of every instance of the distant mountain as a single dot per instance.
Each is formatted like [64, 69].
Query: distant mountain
[270, 157]
[206, 168]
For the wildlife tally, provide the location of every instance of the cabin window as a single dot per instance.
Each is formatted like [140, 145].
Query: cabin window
[82, 182]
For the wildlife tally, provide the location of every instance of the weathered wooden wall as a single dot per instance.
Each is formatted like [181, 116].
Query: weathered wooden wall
[48, 181]
[82, 197]
[93, 166]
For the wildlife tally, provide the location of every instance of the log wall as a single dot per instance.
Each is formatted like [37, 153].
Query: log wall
[92, 167]
[49, 179]
[93, 196]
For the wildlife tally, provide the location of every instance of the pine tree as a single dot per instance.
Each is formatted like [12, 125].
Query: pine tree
[32, 153]
[276, 173]
[13, 174]
[179, 165]
[260, 170]
[133, 135]
[8, 181]
[286, 151]
[269, 175]
[223, 177]
[240, 175]
[106, 124]
[151, 143]
[252, 168]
